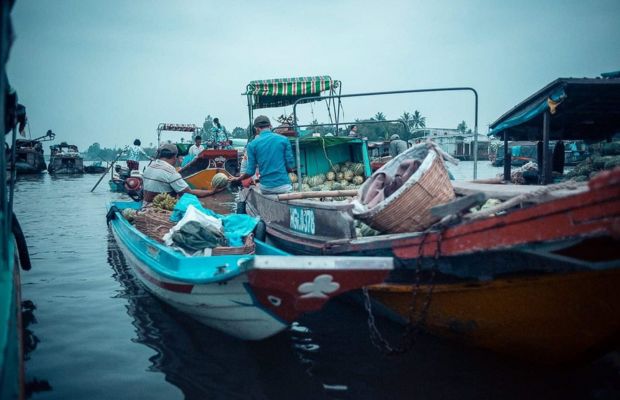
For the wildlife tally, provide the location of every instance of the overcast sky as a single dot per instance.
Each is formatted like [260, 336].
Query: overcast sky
[110, 71]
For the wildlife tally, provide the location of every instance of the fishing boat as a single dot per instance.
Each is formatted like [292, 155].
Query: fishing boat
[95, 168]
[544, 259]
[222, 156]
[29, 154]
[249, 296]
[65, 159]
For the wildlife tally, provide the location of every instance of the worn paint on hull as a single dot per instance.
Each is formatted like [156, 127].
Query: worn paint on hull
[546, 319]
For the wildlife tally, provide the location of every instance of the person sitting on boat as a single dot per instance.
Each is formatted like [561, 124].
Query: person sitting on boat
[397, 145]
[197, 147]
[160, 176]
[353, 131]
[133, 155]
[273, 155]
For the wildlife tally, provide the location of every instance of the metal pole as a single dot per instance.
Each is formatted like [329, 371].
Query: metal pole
[507, 158]
[451, 89]
[476, 137]
[250, 133]
[107, 170]
[545, 153]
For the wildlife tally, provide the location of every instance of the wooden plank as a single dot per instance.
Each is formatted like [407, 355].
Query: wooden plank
[314, 195]
[493, 191]
[458, 205]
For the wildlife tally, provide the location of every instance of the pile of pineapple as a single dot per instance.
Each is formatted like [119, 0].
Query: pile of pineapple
[344, 176]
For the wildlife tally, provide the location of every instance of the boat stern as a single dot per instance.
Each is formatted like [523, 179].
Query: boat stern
[291, 286]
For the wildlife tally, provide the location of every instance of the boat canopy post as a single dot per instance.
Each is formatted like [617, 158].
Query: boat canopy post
[476, 137]
[507, 158]
[339, 96]
[546, 159]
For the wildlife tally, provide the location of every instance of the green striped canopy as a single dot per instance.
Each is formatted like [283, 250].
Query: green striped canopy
[282, 92]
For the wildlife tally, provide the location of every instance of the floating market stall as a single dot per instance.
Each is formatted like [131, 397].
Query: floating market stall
[65, 159]
[29, 154]
[208, 158]
[504, 247]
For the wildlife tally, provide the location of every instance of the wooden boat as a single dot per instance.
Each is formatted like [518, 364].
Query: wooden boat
[222, 156]
[65, 159]
[13, 249]
[249, 296]
[29, 155]
[117, 185]
[226, 159]
[544, 242]
[95, 168]
[202, 179]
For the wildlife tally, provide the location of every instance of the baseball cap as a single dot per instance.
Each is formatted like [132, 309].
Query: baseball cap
[172, 148]
[261, 121]
[394, 137]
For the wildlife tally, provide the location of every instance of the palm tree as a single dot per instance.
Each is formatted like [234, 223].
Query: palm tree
[462, 127]
[379, 116]
[417, 120]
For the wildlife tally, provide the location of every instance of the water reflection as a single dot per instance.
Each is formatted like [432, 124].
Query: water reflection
[30, 342]
[202, 362]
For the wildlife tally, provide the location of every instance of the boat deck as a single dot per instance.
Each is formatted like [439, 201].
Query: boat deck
[507, 191]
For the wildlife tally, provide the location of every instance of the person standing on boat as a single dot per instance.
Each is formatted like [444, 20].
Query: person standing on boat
[197, 147]
[273, 155]
[397, 145]
[133, 155]
[160, 176]
[219, 137]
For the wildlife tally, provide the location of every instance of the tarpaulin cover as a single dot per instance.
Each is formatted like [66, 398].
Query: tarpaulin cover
[529, 113]
[282, 92]
[236, 226]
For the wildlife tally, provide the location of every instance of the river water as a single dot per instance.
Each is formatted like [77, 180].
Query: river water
[94, 333]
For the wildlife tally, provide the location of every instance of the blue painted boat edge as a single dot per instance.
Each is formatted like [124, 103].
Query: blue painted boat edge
[11, 361]
[175, 266]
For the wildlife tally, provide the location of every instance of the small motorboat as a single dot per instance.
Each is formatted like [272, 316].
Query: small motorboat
[249, 296]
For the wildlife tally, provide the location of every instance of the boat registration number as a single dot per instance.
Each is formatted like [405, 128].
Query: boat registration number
[302, 220]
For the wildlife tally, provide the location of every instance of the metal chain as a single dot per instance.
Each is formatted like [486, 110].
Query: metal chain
[411, 330]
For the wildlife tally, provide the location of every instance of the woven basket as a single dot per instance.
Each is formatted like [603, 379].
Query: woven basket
[248, 248]
[410, 210]
[153, 222]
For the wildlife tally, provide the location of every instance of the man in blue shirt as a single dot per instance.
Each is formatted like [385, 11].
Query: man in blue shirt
[273, 155]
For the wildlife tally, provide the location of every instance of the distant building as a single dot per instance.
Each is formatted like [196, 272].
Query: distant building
[457, 144]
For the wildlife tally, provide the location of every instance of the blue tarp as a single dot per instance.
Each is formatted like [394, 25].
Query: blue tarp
[236, 226]
[187, 159]
[529, 114]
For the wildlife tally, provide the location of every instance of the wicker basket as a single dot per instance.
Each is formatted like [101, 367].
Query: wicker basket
[153, 222]
[410, 210]
[248, 248]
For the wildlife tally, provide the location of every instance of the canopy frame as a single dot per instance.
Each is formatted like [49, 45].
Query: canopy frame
[371, 94]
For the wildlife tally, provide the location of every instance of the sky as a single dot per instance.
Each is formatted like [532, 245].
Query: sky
[111, 71]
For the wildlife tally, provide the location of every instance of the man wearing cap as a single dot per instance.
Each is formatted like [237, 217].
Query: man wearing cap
[397, 145]
[273, 155]
[160, 176]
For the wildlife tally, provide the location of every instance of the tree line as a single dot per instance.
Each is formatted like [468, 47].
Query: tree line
[409, 126]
